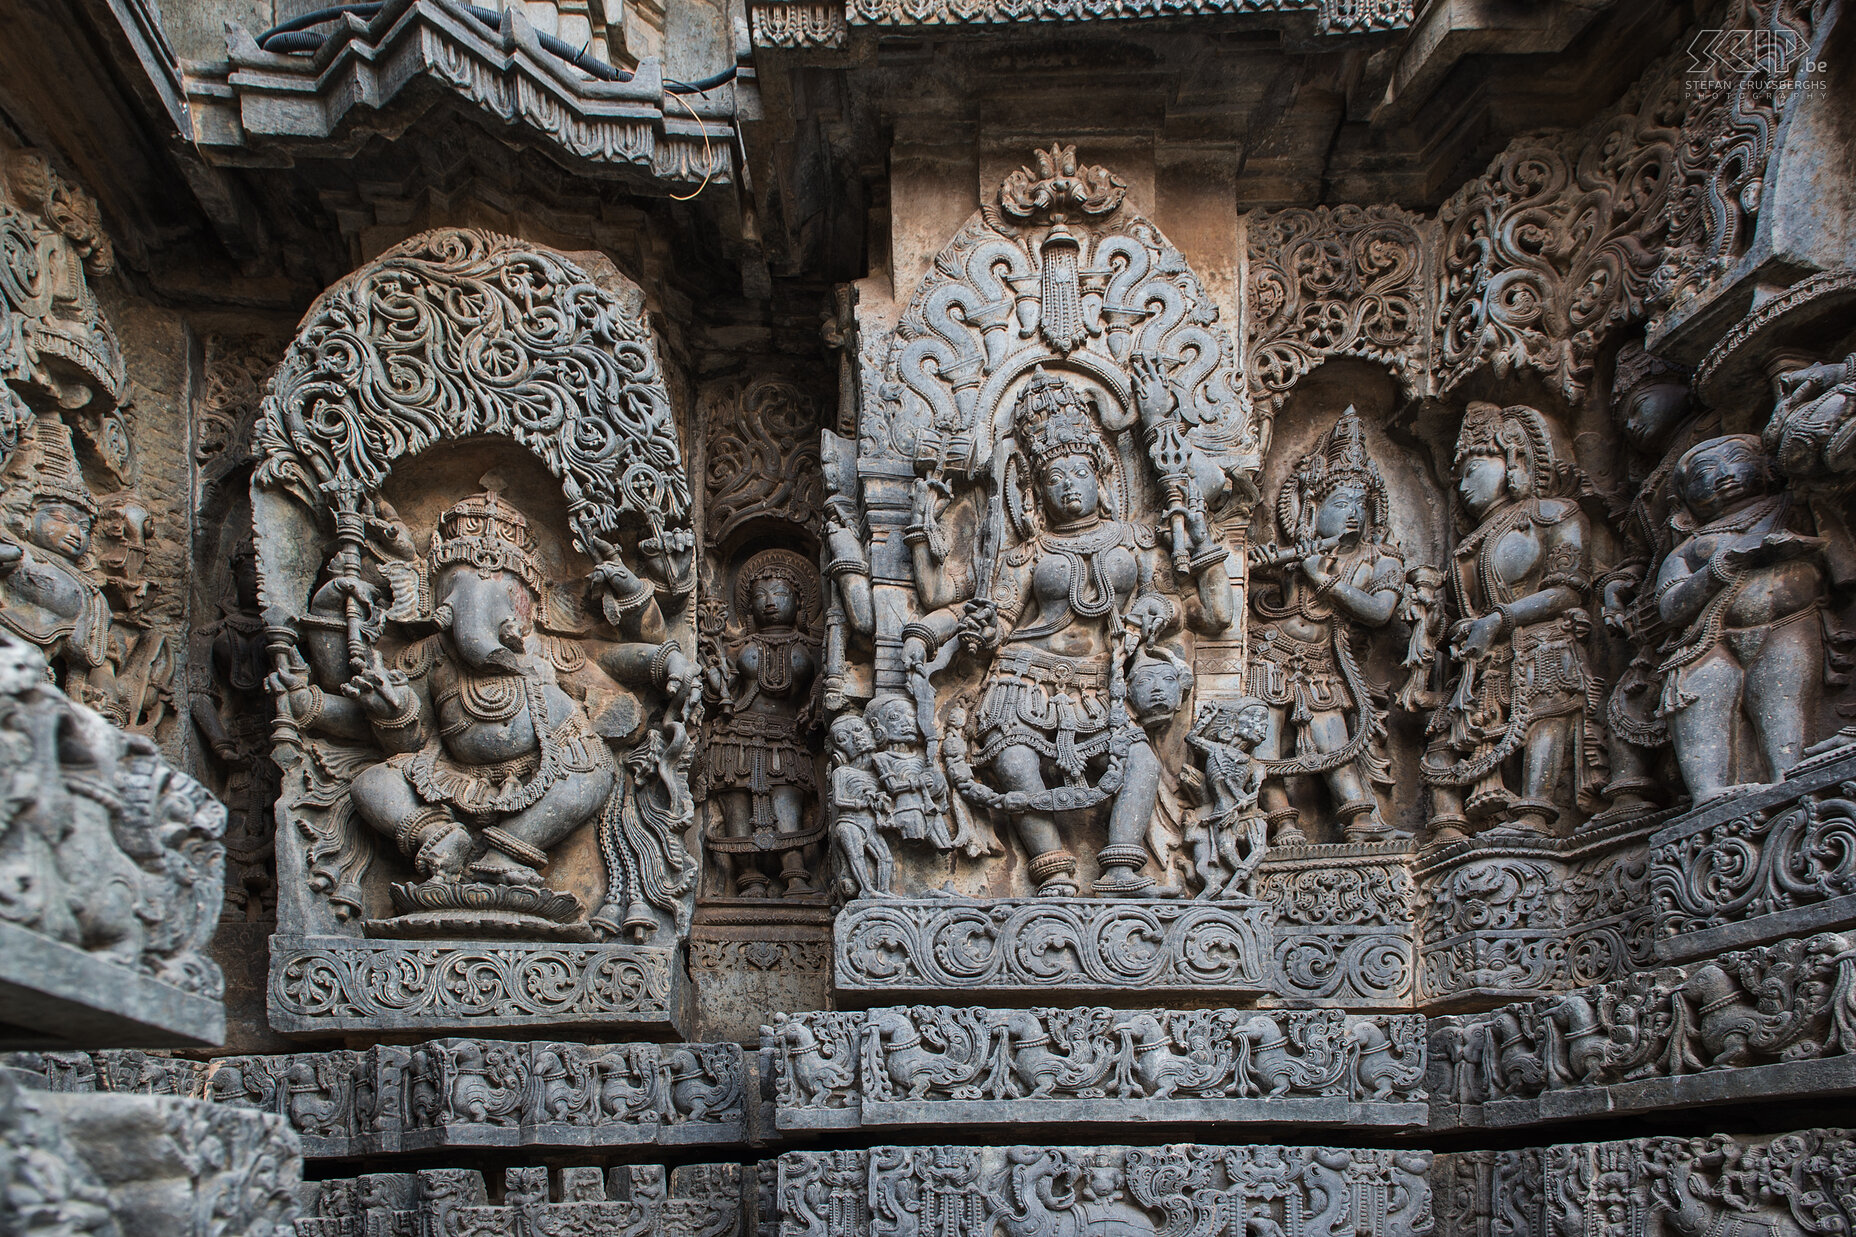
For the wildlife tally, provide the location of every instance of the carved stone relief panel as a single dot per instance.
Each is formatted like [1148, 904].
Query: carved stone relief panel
[1336, 281]
[455, 1093]
[1021, 1191]
[481, 661]
[76, 576]
[229, 656]
[1346, 619]
[195, 1168]
[1772, 1021]
[1729, 130]
[1049, 482]
[113, 863]
[1553, 249]
[1792, 1183]
[932, 1065]
[692, 1200]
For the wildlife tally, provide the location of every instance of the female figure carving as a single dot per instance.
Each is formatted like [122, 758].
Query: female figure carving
[1518, 739]
[1742, 587]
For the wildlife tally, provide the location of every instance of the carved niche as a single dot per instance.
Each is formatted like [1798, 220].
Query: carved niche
[474, 549]
[1050, 483]
[761, 630]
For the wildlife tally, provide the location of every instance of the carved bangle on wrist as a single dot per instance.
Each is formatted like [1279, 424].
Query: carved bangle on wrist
[660, 662]
[924, 633]
[316, 701]
[1505, 611]
[1208, 558]
[407, 716]
[1717, 567]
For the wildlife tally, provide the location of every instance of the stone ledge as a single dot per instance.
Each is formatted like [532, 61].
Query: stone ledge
[144, 1165]
[1770, 1023]
[1018, 948]
[320, 985]
[264, 107]
[1789, 1080]
[455, 1093]
[1709, 896]
[917, 1065]
[55, 996]
[1208, 1191]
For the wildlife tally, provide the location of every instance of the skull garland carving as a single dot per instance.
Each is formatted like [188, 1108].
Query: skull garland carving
[1047, 478]
[451, 708]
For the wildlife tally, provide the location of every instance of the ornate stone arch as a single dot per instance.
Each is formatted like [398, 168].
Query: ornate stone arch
[451, 354]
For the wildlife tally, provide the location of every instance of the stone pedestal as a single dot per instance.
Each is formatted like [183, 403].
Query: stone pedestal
[1013, 949]
[321, 985]
[1775, 861]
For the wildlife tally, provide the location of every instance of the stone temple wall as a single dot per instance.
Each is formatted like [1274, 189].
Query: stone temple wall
[1031, 620]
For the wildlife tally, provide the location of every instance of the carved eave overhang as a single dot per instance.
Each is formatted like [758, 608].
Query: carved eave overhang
[809, 23]
[376, 78]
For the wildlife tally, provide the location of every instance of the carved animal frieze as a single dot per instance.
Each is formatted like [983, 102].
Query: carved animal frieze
[1024, 1191]
[454, 1093]
[1657, 1035]
[926, 1065]
[1790, 1183]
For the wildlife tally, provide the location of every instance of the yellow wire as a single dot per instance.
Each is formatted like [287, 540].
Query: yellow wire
[708, 156]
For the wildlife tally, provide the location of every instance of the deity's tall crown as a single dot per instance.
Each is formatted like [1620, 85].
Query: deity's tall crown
[49, 465]
[488, 533]
[1051, 419]
[1525, 438]
[1339, 457]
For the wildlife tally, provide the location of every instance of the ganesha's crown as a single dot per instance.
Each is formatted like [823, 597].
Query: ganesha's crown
[1051, 419]
[489, 534]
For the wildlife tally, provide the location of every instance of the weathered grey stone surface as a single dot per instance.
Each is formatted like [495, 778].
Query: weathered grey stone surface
[142, 1166]
[1774, 1022]
[1789, 1182]
[1219, 1191]
[113, 862]
[1778, 861]
[1102, 569]
[323, 985]
[694, 1200]
[456, 1093]
[938, 1065]
[1016, 948]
